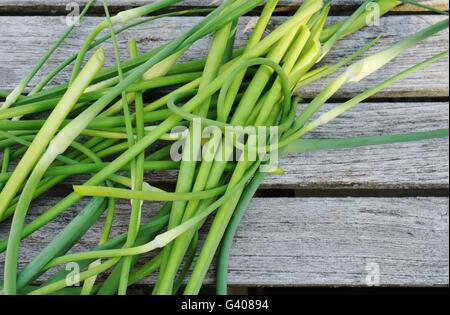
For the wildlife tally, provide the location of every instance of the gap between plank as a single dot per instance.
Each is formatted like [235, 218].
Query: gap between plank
[282, 10]
[63, 190]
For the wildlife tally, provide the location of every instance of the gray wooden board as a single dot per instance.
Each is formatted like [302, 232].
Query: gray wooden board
[60, 5]
[423, 164]
[314, 241]
[31, 36]
[418, 164]
[300, 241]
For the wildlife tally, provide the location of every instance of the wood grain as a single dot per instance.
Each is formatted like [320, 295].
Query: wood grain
[423, 165]
[33, 6]
[407, 165]
[31, 36]
[315, 242]
[296, 241]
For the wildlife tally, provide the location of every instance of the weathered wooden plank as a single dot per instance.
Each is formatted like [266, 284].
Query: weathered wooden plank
[423, 165]
[61, 5]
[316, 242]
[30, 37]
[407, 165]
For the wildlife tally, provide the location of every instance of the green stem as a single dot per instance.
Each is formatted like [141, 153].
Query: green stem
[49, 129]
[122, 17]
[34, 153]
[163, 239]
[63, 242]
[97, 191]
[227, 241]
[310, 145]
[188, 164]
[127, 65]
[14, 95]
[136, 205]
